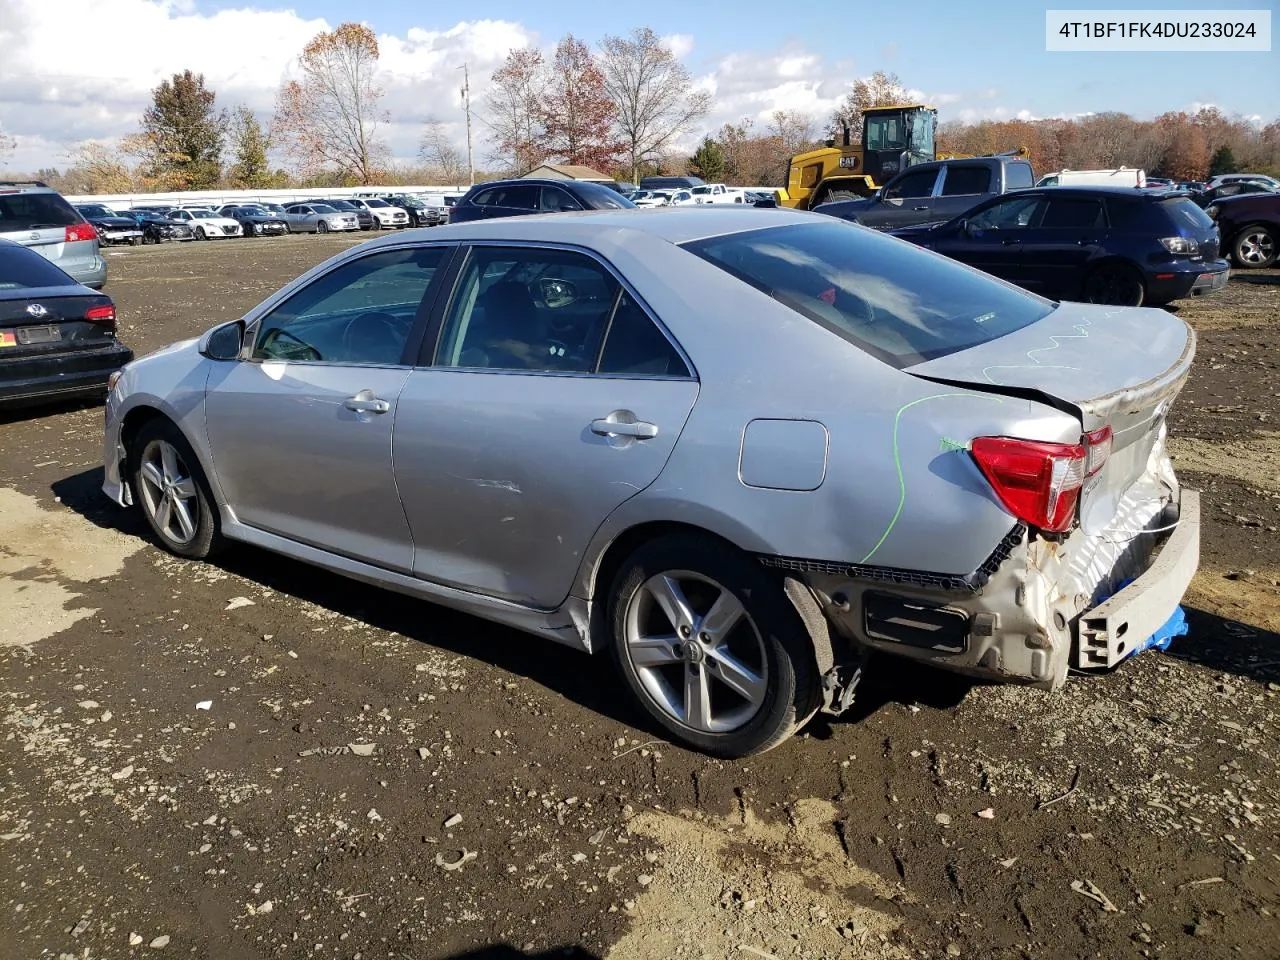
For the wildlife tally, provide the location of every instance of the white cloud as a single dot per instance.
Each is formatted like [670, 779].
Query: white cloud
[681, 44]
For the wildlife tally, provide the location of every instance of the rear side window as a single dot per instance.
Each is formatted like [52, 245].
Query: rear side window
[1018, 176]
[1130, 214]
[896, 301]
[635, 346]
[962, 181]
[21, 268]
[34, 211]
[1071, 213]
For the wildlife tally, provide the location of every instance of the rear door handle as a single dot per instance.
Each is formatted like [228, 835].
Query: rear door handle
[919, 208]
[1009, 242]
[638, 429]
[366, 402]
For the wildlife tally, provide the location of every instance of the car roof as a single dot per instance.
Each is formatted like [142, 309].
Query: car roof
[1085, 190]
[676, 225]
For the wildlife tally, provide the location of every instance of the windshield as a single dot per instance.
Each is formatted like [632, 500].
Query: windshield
[886, 132]
[252, 210]
[323, 208]
[202, 214]
[376, 203]
[340, 205]
[96, 210]
[892, 299]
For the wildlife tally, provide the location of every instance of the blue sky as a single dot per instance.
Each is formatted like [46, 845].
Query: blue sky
[952, 47]
[972, 61]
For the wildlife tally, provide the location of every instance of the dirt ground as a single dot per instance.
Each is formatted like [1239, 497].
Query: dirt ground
[255, 759]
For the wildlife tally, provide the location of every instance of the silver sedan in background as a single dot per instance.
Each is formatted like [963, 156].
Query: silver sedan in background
[737, 455]
[318, 218]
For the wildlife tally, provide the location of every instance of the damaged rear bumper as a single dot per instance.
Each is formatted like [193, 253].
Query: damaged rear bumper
[1040, 609]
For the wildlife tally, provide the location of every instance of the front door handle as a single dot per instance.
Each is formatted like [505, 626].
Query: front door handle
[919, 208]
[1009, 242]
[610, 427]
[366, 402]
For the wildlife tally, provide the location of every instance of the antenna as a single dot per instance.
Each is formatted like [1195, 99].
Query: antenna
[466, 103]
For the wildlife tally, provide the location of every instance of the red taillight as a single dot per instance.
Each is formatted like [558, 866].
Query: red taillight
[105, 316]
[1038, 482]
[80, 231]
[1098, 444]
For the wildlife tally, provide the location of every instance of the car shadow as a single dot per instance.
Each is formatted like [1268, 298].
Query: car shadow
[38, 409]
[588, 681]
[1260, 279]
[504, 951]
[1229, 646]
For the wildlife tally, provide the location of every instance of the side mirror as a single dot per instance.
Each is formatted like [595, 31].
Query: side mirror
[963, 226]
[558, 293]
[223, 342]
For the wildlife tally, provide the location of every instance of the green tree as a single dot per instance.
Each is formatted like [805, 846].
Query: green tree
[187, 131]
[708, 160]
[250, 169]
[1224, 161]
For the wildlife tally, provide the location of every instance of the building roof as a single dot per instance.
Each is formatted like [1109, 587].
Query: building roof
[569, 171]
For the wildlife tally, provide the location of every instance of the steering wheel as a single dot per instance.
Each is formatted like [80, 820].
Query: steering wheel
[373, 333]
[308, 352]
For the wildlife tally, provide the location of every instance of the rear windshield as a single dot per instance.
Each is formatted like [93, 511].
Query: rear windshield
[888, 297]
[35, 211]
[1186, 214]
[21, 268]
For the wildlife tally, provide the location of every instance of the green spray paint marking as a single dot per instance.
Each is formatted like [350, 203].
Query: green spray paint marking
[897, 457]
[947, 445]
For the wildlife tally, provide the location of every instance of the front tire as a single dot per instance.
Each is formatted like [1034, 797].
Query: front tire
[1254, 247]
[200, 234]
[1115, 284]
[322, 227]
[172, 491]
[711, 648]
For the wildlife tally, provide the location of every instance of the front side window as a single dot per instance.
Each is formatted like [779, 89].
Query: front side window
[554, 200]
[897, 302]
[361, 312]
[912, 185]
[1017, 213]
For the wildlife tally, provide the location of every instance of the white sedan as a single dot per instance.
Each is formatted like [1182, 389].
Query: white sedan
[207, 225]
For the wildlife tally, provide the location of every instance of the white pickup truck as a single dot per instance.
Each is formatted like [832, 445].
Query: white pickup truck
[718, 193]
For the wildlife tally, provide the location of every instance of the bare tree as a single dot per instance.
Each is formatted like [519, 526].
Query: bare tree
[441, 155]
[652, 92]
[329, 119]
[794, 128]
[7, 145]
[514, 109]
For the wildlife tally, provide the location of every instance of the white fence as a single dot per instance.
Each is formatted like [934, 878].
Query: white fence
[124, 201]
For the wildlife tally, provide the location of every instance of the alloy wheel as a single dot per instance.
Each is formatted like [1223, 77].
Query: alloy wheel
[1256, 248]
[168, 491]
[696, 651]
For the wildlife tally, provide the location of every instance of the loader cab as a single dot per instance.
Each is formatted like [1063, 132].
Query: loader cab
[894, 138]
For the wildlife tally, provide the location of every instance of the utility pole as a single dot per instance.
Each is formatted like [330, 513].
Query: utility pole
[466, 103]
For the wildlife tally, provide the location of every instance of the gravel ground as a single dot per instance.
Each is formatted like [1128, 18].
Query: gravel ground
[254, 758]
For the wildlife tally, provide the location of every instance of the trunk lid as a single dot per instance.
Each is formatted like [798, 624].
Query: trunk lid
[45, 320]
[1117, 367]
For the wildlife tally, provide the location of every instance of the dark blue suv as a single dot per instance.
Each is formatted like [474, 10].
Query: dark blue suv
[1113, 245]
[514, 198]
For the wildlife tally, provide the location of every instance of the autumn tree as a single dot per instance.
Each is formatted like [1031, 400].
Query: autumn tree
[98, 168]
[707, 161]
[652, 93]
[328, 119]
[878, 90]
[250, 168]
[794, 129]
[444, 160]
[513, 110]
[183, 129]
[577, 114]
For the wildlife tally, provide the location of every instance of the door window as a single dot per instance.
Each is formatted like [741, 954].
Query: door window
[527, 308]
[909, 186]
[962, 181]
[362, 312]
[634, 346]
[554, 200]
[1014, 214]
[1071, 214]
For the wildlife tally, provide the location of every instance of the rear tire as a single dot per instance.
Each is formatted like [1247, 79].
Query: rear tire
[171, 489]
[1115, 284]
[1254, 247]
[737, 675]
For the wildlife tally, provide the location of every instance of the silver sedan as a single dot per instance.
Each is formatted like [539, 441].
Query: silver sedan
[735, 455]
[318, 218]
